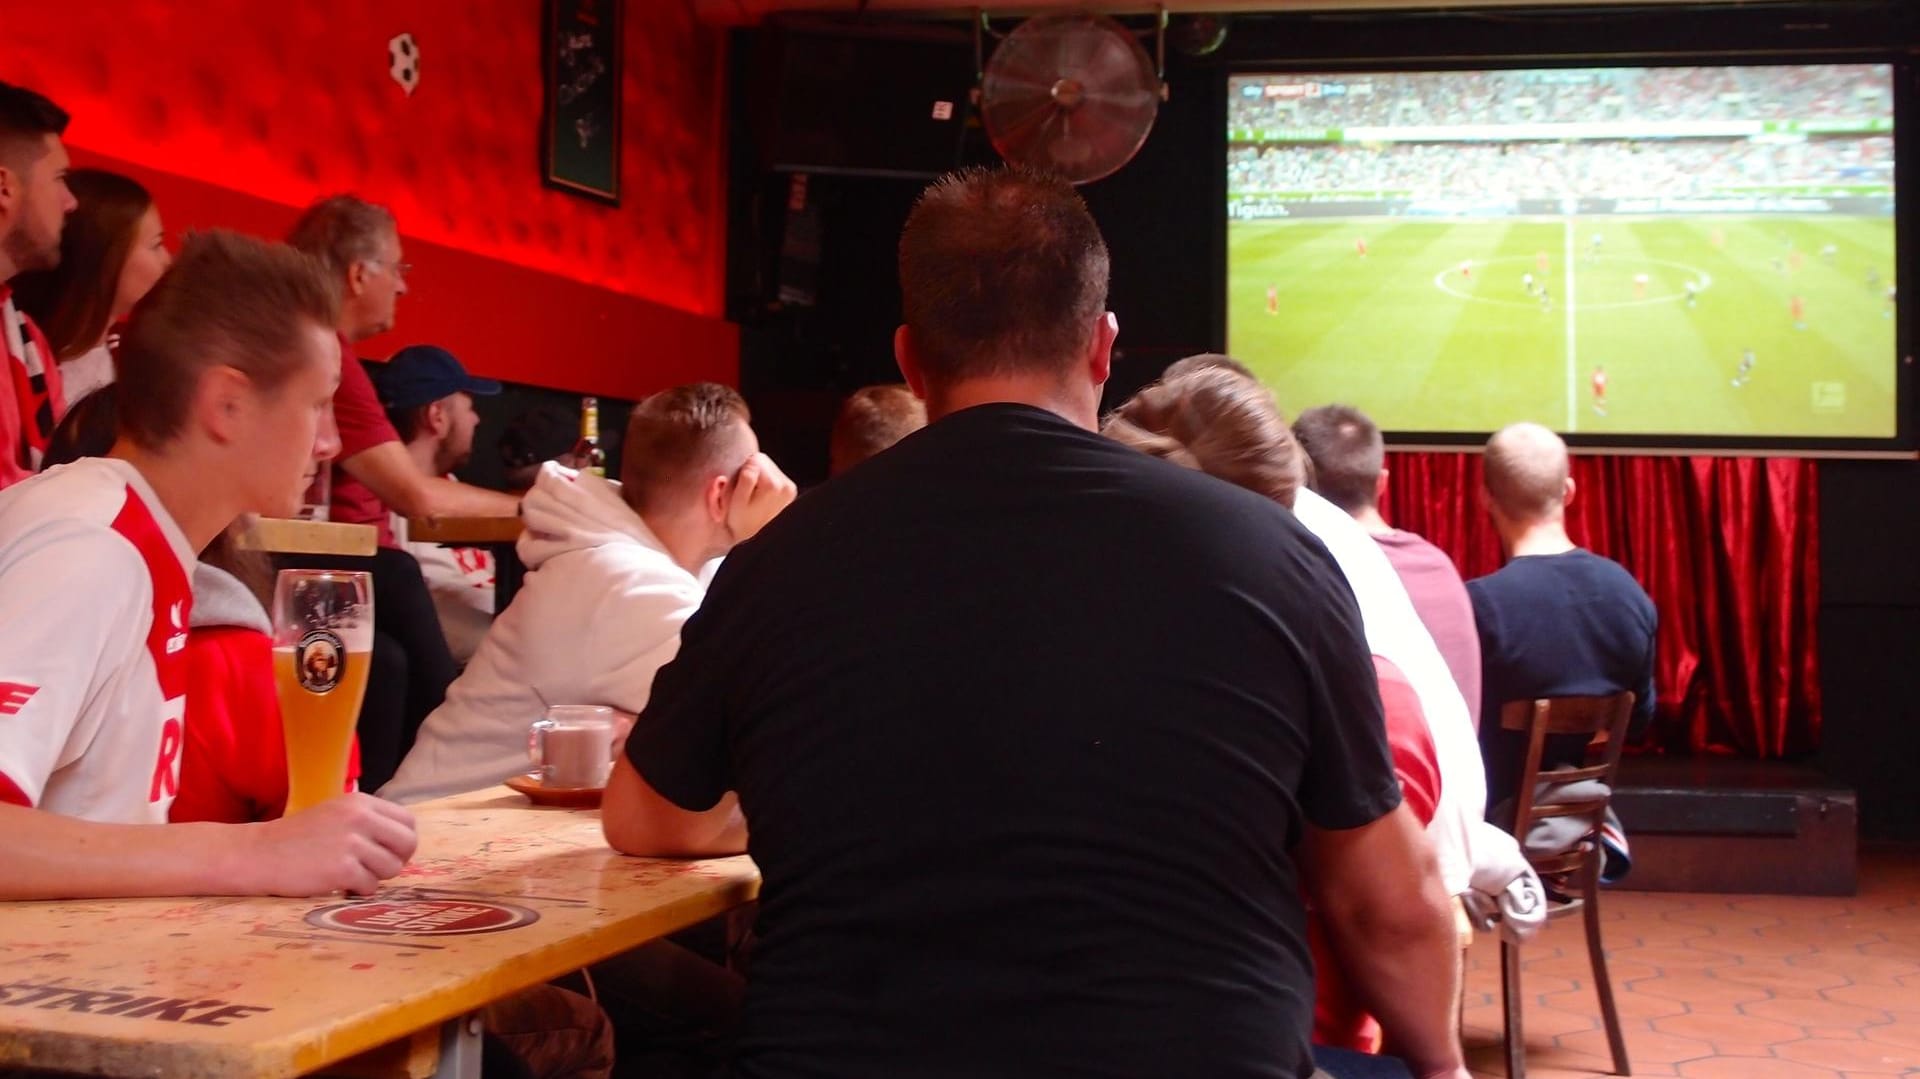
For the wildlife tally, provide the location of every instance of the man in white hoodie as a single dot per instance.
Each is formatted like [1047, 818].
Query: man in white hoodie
[613, 572]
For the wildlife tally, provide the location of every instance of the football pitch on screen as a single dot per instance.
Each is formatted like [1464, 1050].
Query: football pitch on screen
[1465, 326]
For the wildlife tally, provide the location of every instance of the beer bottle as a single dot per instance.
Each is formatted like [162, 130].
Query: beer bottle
[587, 454]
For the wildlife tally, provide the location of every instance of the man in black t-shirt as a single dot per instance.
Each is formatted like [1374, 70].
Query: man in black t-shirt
[1556, 620]
[1040, 738]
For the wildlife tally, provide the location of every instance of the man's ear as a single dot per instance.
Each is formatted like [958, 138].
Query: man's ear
[1100, 348]
[357, 275]
[1566, 494]
[221, 402]
[12, 185]
[718, 495]
[439, 421]
[1380, 488]
[908, 358]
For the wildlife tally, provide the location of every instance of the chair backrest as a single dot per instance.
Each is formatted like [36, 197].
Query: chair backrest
[1541, 717]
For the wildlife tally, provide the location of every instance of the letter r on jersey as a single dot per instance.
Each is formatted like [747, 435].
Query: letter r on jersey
[166, 768]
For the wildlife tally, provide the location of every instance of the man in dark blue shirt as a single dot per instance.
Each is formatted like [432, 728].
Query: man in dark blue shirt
[1556, 620]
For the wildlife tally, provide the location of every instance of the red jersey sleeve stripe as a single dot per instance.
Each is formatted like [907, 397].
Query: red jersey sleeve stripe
[11, 794]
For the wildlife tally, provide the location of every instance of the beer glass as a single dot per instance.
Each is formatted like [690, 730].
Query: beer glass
[322, 643]
[316, 503]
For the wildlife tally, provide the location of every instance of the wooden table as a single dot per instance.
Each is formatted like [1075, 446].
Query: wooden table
[463, 531]
[501, 896]
[278, 535]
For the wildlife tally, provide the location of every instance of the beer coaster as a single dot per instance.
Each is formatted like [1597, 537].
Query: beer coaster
[567, 797]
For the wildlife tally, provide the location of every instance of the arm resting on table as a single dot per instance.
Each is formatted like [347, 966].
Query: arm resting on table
[1378, 893]
[350, 844]
[406, 490]
[638, 820]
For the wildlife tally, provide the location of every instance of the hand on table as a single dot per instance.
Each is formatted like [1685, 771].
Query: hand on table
[346, 844]
[760, 492]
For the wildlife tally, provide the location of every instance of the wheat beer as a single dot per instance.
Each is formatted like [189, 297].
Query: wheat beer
[319, 726]
[322, 649]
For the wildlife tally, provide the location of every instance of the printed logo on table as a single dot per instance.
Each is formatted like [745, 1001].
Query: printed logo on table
[321, 661]
[421, 917]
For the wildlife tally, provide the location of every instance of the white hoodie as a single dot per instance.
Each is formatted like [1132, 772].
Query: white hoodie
[1463, 840]
[599, 613]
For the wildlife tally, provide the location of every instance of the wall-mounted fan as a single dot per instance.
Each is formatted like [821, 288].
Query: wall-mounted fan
[1074, 94]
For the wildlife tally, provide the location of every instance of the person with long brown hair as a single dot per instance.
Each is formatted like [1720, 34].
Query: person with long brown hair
[1214, 420]
[1209, 413]
[111, 252]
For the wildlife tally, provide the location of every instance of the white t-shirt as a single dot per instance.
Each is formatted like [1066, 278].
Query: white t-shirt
[1463, 841]
[460, 579]
[95, 601]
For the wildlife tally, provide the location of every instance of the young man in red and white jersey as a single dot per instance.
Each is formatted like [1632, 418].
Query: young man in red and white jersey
[226, 374]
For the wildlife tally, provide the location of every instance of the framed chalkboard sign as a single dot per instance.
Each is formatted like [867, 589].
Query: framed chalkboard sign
[581, 132]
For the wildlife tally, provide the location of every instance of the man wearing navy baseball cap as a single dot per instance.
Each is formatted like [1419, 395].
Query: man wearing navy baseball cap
[429, 396]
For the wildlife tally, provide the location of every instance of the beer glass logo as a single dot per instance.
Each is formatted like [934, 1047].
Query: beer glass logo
[320, 660]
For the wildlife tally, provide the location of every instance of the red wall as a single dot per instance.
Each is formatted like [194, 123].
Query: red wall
[237, 113]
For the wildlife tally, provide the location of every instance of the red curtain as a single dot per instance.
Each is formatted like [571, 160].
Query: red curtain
[1727, 547]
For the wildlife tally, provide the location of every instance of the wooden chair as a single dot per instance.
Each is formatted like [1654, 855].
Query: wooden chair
[1537, 719]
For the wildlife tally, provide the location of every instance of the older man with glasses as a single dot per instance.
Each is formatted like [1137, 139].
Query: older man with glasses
[374, 476]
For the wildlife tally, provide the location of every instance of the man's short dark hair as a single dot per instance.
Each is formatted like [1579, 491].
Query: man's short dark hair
[27, 116]
[1001, 270]
[1347, 454]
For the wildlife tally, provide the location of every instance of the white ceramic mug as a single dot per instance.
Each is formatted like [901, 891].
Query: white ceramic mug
[572, 745]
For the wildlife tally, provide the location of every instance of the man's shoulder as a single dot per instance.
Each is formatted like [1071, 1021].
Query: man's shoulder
[1411, 548]
[1601, 573]
[1537, 580]
[79, 502]
[976, 450]
[621, 570]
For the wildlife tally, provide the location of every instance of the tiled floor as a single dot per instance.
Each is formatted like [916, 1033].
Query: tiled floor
[1723, 987]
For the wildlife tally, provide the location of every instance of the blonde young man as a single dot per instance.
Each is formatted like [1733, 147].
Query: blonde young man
[613, 573]
[227, 372]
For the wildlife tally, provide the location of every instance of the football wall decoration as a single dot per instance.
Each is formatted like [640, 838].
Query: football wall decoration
[403, 62]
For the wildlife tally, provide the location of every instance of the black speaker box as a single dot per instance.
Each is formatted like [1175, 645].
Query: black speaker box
[861, 103]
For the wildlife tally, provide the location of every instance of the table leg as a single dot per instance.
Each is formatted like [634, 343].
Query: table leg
[459, 1048]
